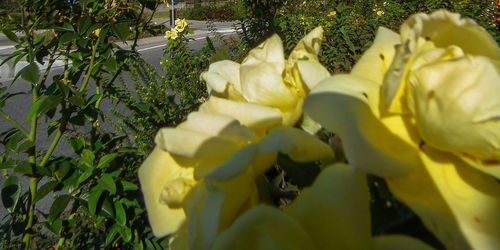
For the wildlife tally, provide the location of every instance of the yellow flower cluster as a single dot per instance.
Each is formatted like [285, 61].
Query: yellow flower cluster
[173, 33]
[420, 108]
[201, 175]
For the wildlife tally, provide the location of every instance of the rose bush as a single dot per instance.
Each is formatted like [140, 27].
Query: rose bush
[420, 109]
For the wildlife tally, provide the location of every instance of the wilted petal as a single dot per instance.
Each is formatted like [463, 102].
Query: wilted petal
[335, 209]
[308, 47]
[398, 242]
[297, 144]
[375, 61]
[264, 227]
[156, 171]
[249, 114]
[341, 104]
[459, 204]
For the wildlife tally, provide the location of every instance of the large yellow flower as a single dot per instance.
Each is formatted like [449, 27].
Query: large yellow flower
[205, 170]
[265, 81]
[230, 189]
[420, 109]
[331, 214]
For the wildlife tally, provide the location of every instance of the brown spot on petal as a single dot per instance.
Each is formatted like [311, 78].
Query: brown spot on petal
[477, 219]
[382, 57]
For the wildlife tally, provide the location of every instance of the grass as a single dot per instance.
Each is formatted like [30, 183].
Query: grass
[163, 14]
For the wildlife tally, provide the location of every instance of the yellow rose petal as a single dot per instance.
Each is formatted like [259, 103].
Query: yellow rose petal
[156, 171]
[297, 144]
[264, 227]
[397, 242]
[335, 209]
[375, 61]
[459, 204]
[249, 114]
[308, 47]
[341, 104]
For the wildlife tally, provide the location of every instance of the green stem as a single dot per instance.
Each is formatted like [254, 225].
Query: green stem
[52, 146]
[14, 123]
[91, 66]
[33, 181]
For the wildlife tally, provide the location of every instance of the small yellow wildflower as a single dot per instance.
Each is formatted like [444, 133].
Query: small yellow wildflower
[173, 34]
[380, 13]
[332, 13]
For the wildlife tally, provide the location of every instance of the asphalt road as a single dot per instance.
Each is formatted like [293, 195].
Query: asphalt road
[17, 107]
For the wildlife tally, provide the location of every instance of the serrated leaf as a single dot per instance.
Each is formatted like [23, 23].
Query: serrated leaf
[120, 215]
[25, 145]
[83, 24]
[122, 30]
[106, 159]
[23, 168]
[108, 183]
[10, 35]
[11, 190]
[30, 73]
[49, 103]
[45, 189]
[76, 144]
[88, 158]
[68, 37]
[59, 205]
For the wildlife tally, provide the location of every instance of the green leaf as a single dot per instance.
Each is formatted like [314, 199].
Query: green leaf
[106, 159]
[84, 176]
[83, 24]
[107, 182]
[120, 215]
[55, 227]
[93, 200]
[68, 37]
[75, 143]
[125, 233]
[111, 234]
[143, 106]
[24, 168]
[10, 35]
[27, 144]
[45, 189]
[49, 103]
[128, 186]
[88, 158]
[59, 205]
[65, 27]
[11, 191]
[122, 30]
[30, 73]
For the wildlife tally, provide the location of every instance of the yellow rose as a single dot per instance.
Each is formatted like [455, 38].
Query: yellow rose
[333, 213]
[420, 109]
[208, 165]
[265, 81]
[230, 189]
[180, 24]
[172, 34]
